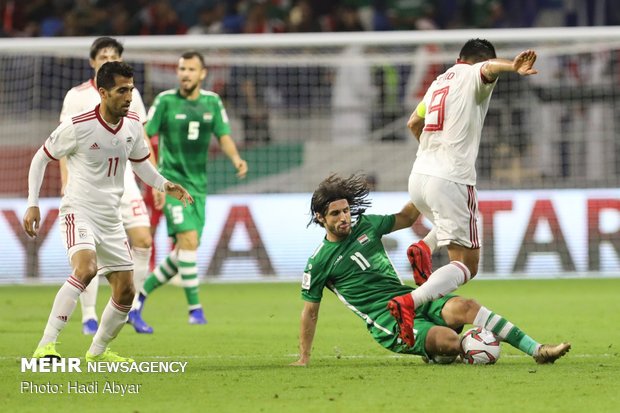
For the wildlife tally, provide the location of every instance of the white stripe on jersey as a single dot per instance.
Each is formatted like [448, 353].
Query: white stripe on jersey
[365, 317]
[456, 105]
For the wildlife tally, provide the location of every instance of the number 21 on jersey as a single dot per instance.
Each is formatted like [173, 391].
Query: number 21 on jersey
[437, 108]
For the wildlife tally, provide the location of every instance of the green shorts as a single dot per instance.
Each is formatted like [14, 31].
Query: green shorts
[183, 219]
[427, 316]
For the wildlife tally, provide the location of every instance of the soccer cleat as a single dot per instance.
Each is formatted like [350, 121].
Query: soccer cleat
[196, 316]
[46, 351]
[108, 356]
[135, 319]
[549, 353]
[403, 310]
[89, 327]
[419, 256]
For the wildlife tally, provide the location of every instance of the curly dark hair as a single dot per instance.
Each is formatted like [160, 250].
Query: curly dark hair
[333, 188]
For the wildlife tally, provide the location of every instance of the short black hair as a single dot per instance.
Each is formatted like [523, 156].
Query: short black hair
[333, 188]
[477, 50]
[194, 53]
[107, 72]
[105, 42]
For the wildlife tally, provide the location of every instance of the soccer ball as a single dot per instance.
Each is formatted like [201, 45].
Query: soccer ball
[479, 346]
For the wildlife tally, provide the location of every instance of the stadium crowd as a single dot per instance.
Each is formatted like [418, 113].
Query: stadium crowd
[166, 17]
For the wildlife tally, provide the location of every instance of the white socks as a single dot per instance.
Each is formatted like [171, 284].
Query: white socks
[88, 300]
[113, 319]
[63, 307]
[443, 281]
[141, 257]
[431, 239]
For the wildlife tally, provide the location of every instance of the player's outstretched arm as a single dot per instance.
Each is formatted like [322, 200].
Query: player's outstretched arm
[32, 217]
[178, 192]
[522, 64]
[309, 319]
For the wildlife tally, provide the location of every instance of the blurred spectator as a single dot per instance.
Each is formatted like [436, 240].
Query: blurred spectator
[210, 19]
[302, 18]
[347, 19]
[257, 20]
[160, 18]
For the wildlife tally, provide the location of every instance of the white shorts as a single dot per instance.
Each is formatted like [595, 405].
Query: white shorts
[109, 241]
[133, 209]
[450, 206]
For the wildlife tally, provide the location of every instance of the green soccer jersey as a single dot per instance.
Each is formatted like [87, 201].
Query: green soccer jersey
[360, 273]
[185, 128]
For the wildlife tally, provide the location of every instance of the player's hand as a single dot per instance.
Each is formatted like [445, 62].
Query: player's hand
[523, 64]
[178, 192]
[32, 219]
[242, 168]
[159, 199]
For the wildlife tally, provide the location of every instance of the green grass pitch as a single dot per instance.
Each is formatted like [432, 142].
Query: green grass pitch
[239, 361]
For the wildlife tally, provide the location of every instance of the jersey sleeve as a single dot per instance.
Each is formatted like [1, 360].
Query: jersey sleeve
[61, 142]
[482, 87]
[137, 105]
[313, 282]
[155, 116]
[382, 224]
[140, 150]
[221, 123]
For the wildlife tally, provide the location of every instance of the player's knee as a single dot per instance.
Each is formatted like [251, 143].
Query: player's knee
[124, 294]
[85, 271]
[143, 242]
[442, 341]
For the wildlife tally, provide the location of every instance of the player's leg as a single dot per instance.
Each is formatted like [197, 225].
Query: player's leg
[141, 241]
[113, 318]
[458, 311]
[187, 244]
[84, 263]
[88, 304]
[453, 208]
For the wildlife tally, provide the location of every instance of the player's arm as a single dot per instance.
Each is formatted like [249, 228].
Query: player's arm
[32, 217]
[309, 319]
[416, 120]
[230, 149]
[522, 64]
[406, 217]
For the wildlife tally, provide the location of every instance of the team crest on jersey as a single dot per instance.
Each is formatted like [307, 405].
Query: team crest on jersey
[114, 141]
[129, 139]
[363, 239]
[207, 117]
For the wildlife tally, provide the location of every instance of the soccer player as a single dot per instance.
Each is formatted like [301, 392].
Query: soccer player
[448, 124]
[97, 144]
[185, 118]
[135, 216]
[352, 262]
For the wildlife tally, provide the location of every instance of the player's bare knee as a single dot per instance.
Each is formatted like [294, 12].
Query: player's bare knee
[124, 294]
[142, 242]
[85, 271]
[442, 341]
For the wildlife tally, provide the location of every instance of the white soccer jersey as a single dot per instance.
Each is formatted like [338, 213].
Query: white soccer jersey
[456, 105]
[86, 96]
[97, 156]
